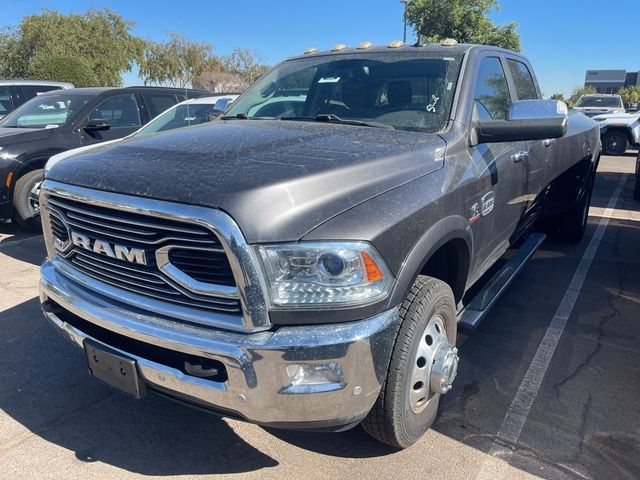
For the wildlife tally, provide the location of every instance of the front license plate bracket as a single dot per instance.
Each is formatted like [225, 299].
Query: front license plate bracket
[114, 369]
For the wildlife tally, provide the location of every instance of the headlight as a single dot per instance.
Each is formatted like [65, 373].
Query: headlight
[324, 274]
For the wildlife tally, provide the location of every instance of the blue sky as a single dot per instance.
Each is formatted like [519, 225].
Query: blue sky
[562, 38]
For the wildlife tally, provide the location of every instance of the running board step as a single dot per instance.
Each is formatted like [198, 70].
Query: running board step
[473, 313]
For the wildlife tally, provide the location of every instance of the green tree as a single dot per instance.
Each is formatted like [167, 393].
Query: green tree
[232, 73]
[98, 40]
[76, 70]
[464, 20]
[557, 96]
[630, 94]
[578, 92]
[176, 62]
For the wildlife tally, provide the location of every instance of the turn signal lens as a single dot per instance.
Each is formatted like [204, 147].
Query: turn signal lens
[373, 271]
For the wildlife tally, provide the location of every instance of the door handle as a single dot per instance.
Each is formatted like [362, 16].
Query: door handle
[549, 141]
[520, 156]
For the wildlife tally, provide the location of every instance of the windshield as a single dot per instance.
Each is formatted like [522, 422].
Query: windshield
[599, 102]
[405, 91]
[46, 111]
[180, 116]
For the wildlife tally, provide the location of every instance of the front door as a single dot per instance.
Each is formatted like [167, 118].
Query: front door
[501, 168]
[122, 114]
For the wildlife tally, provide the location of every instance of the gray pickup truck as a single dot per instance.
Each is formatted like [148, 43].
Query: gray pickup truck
[306, 260]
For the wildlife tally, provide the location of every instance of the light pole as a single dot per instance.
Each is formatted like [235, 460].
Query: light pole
[404, 32]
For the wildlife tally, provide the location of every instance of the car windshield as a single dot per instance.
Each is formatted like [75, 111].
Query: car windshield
[599, 102]
[406, 91]
[45, 111]
[180, 116]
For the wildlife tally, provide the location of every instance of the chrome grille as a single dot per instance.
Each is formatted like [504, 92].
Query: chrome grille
[196, 250]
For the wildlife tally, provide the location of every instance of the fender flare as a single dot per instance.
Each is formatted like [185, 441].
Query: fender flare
[447, 229]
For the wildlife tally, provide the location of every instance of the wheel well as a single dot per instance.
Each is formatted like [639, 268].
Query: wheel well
[450, 263]
[566, 189]
[26, 167]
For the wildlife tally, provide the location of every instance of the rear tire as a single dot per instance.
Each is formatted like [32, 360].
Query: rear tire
[26, 207]
[408, 401]
[573, 223]
[615, 143]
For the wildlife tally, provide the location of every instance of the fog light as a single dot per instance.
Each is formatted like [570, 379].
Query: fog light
[314, 378]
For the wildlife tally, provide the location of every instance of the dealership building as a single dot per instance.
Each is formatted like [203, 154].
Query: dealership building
[610, 81]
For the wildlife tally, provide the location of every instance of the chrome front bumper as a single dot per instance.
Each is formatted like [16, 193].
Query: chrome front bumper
[259, 387]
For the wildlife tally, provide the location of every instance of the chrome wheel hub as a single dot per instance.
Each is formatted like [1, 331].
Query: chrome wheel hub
[434, 367]
[444, 369]
[34, 198]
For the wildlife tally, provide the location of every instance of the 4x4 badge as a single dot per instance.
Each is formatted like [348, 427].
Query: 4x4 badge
[487, 202]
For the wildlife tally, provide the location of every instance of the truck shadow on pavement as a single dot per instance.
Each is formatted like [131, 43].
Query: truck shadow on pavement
[27, 247]
[585, 416]
[44, 386]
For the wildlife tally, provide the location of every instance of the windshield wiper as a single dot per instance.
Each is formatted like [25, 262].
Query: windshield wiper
[239, 116]
[244, 116]
[331, 118]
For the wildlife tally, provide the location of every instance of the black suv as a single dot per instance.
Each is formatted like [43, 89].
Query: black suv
[61, 120]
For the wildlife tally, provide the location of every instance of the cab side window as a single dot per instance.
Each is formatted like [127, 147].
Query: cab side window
[119, 111]
[523, 81]
[491, 96]
[6, 105]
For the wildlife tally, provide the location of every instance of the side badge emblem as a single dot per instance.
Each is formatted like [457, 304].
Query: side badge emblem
[486, 203]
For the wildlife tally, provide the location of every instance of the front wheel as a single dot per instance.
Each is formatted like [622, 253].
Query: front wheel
[25, 200]
[423, 365]
[615, 143]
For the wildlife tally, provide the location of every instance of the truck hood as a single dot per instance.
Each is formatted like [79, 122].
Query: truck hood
[618, 118]
[277, 179]
[16, 135]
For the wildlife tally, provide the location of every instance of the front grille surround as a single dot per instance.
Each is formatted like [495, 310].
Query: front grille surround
[237, 301]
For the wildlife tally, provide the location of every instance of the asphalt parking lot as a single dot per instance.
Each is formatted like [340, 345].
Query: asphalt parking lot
[549, 385]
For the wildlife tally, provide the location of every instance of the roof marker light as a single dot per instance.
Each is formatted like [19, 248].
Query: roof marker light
[338, 46]
[396, 44]
[365, 45]
[310, 50]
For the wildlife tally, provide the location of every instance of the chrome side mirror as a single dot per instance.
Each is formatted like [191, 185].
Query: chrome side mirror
[527, 120]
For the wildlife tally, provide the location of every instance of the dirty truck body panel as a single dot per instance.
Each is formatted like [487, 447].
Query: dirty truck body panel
[133, 228]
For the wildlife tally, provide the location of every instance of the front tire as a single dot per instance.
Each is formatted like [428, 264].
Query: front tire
[25, 202]
[423, 365]
[615, 143]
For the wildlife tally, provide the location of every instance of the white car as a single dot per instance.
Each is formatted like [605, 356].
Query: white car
[184, 114]
[619, 132]
[599, 104]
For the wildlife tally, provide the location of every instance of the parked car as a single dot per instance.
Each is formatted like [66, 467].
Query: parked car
[599, 104]
[14, 93]
[619, 131]
[57, 121]
[311, 271]
[184, 114]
